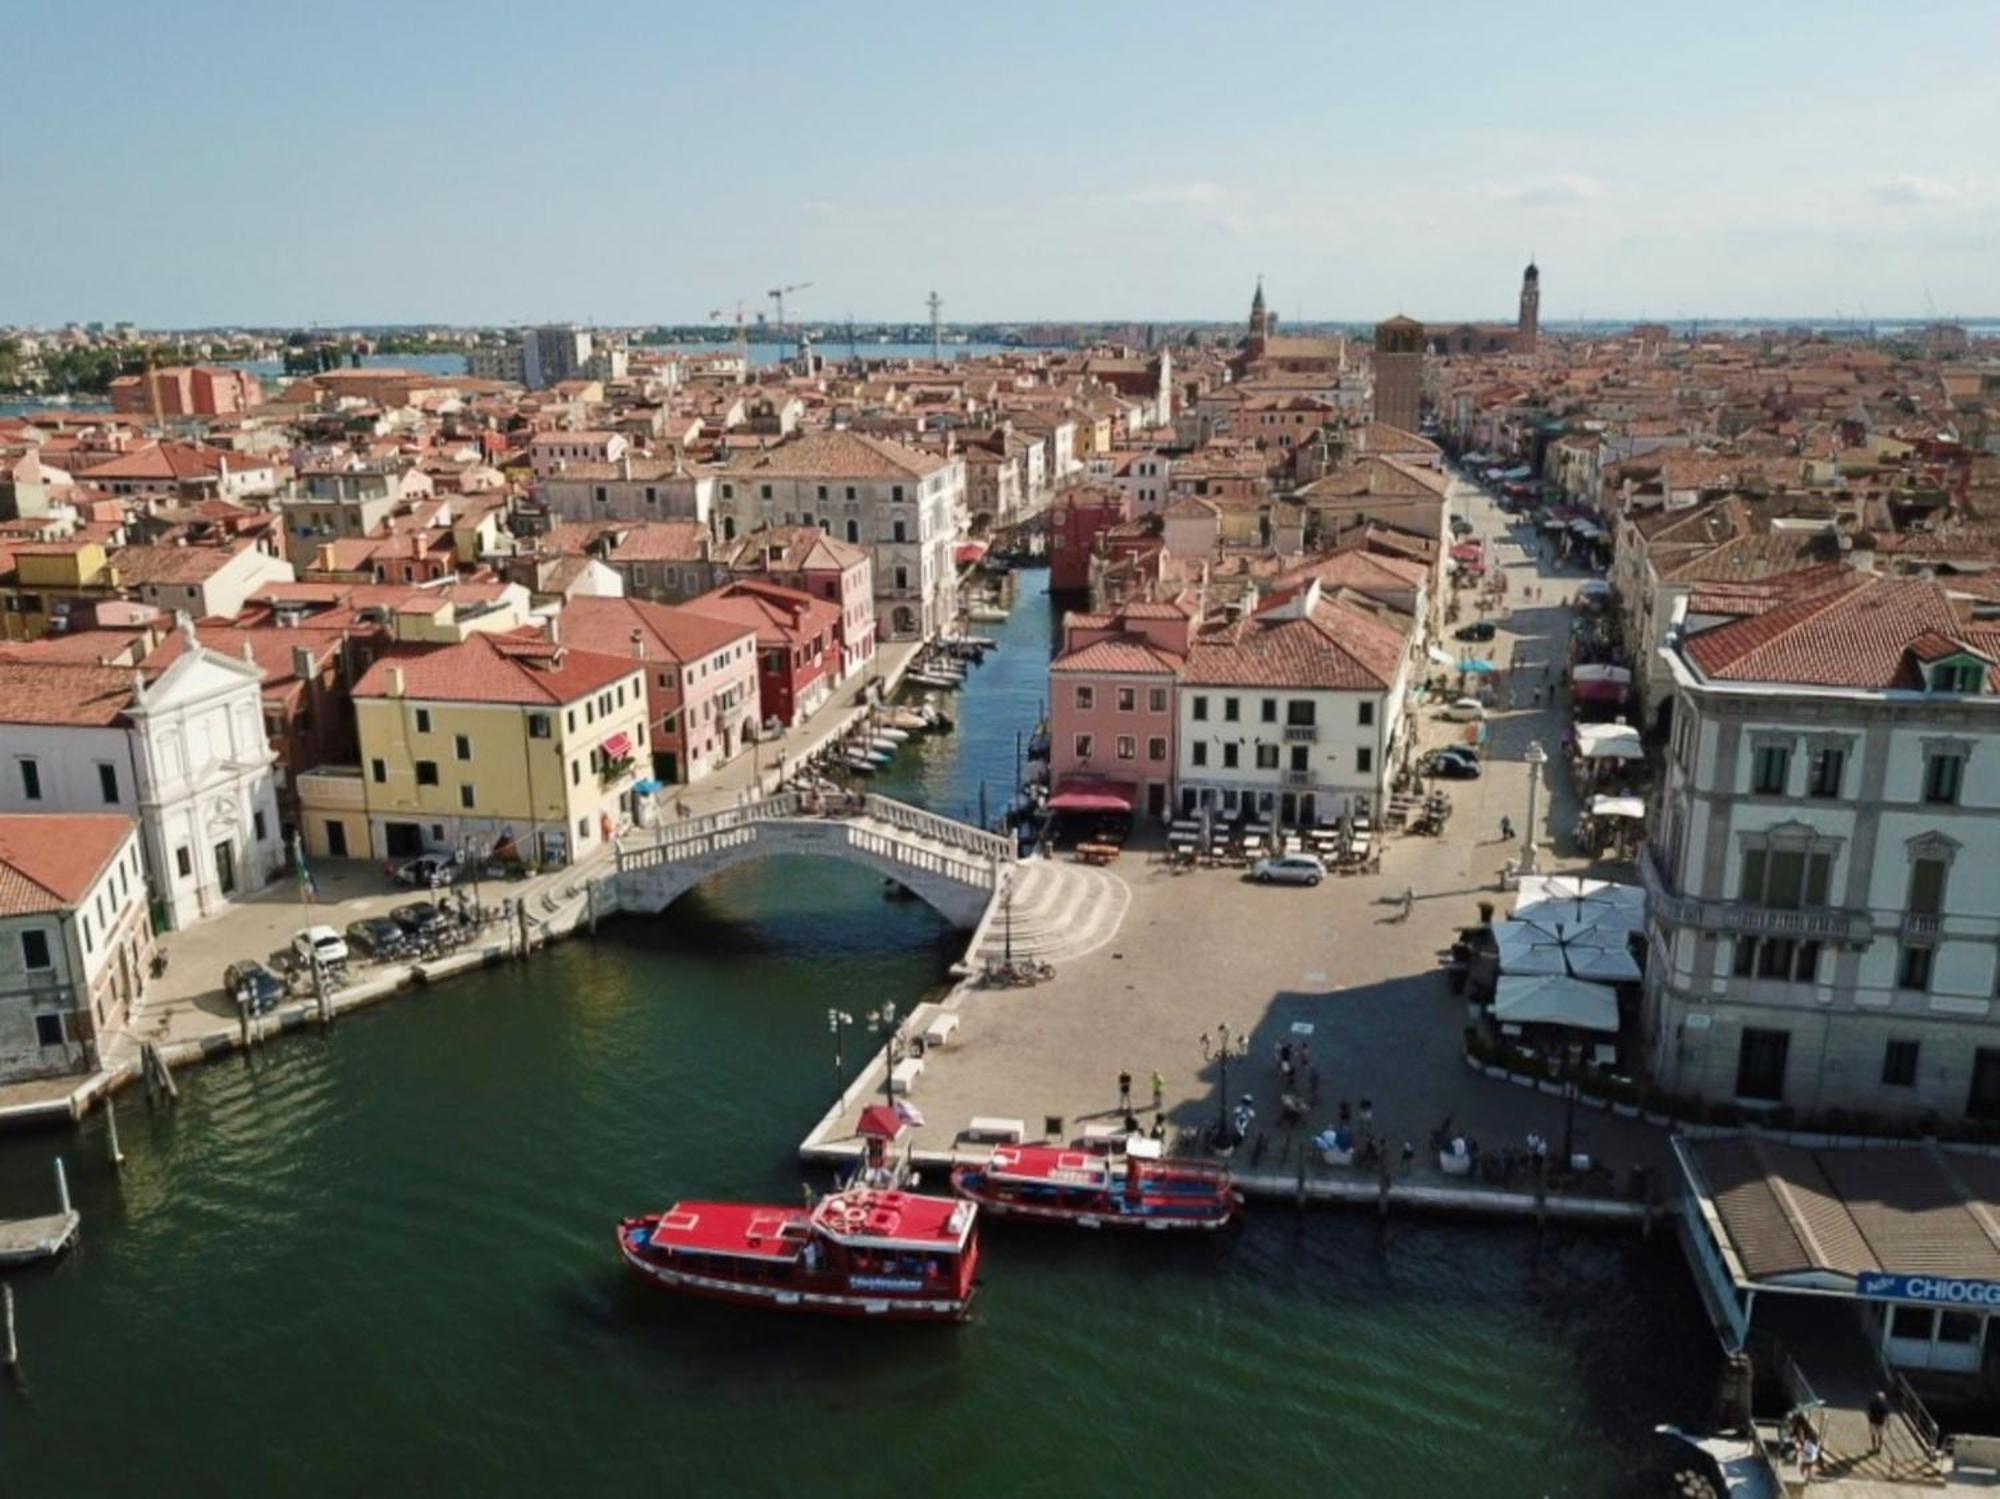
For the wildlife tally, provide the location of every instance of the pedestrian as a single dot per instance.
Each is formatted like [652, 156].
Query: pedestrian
[1204, 1046]
[1409, 1157]
[1809, 1457]
[1506, 830]
[1159, 1091]
[1409, 901]
[1367, 1113]
[1285, 1057]
[1305, 1056]
[1878, 1419]
[1125, 1091]
[1536, 697]
[1346, 1114]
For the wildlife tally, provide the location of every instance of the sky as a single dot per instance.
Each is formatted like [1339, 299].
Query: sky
[277, 163]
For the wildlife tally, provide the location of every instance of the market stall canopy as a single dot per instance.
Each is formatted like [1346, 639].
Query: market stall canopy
[1092, 794]
[1556, 1001]
[1618, 806]
[1596, 671]
[1477, 664]
[1608, 741]
[879, 1121]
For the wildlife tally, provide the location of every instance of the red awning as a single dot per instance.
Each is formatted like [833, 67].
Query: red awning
[969, 551]
[1599, 692]
[617, 747]
[1467, 552]
[1093, 794]
[880, 1122]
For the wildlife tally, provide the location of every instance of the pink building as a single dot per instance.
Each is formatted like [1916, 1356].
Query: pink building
[701, 677]
[186, 390]
[1112, 708]
[805, 558]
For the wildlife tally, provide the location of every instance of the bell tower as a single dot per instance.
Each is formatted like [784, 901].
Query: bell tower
[1529, 327]
[1260, 321]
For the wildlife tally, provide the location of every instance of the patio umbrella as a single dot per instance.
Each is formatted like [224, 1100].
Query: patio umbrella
[1477, 664]
[1556, 1001]
[1596, 947]
[1579, 902]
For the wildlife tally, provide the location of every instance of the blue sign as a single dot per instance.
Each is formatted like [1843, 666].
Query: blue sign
[1933, 1290]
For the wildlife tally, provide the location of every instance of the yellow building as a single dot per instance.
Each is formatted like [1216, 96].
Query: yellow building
[496, 738]
[49, 576]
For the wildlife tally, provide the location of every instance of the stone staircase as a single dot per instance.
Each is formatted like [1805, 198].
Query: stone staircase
[1060, 912]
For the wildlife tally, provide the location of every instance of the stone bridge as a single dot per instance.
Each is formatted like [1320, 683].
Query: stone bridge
[952, 866]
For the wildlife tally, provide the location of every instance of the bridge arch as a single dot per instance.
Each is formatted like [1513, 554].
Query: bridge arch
[953, 867]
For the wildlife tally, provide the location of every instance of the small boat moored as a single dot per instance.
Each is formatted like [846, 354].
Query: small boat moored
[1139, 1189]
[892, 1255]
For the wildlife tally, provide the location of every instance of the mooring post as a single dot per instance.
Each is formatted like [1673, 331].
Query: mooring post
[146, 1068]
[62, 1186]
[590, 903]
[243, 1019]
[13, 1347]
[319, 993]
[1382, 1193]
[111, 1130]
[1302, 1177]
[1541, 1201]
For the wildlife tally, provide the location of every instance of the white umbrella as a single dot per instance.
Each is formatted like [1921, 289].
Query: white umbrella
[1556, 1001]
[1581, 949]
[1617, 806]
[1577, 901]
[1608, 741]
[1526, 949]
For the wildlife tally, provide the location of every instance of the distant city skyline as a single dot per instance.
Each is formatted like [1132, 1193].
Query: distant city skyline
[646, 164]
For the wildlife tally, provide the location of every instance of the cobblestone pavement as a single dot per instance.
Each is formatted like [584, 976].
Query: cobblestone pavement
[1207, 948]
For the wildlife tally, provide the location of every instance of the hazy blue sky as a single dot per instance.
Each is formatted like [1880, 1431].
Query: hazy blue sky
[198, 162]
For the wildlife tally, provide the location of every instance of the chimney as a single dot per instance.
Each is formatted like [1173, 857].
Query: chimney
[395, 681]
[302, 663]
[555, 629]
[639, 643]
[249, 654]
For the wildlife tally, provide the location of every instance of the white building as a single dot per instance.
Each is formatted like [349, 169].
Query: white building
[1295, 711]
[629, 489]
[901, 502]
[1824, 927]
[75, 941]
[184, 750]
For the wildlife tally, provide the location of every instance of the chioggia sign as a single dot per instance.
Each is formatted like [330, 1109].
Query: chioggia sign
[1933, 1290]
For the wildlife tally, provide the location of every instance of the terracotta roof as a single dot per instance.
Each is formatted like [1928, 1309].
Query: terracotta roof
[670, 633]
[836, 454]
[1857, 636]
[51, 693]
[779, 615]
[662, 541]
[496, 669]
[48, 863]
[176, 460]
[1131, 654]
[1332, 648]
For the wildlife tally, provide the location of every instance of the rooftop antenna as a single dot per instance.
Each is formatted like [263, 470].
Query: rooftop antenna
[935, 303]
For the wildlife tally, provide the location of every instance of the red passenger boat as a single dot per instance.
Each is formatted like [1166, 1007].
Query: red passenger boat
[1059, 1184]
[861, 1253]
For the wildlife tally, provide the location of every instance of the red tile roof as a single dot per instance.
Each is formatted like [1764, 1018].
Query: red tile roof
[1129, 654]
[1856, 636]
[49, 863]
[51, 693]
[496, 669]
[670, 633]
[1332, 648]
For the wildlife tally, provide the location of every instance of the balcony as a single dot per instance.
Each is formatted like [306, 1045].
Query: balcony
[1298, 777]
[1729, 917]
[1301, 733]
[1915, 925]
[333, 788]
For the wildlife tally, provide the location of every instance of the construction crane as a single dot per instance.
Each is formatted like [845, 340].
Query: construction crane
[717, 315]
[778, 294]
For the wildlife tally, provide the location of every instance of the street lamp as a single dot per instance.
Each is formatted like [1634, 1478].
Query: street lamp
[1241, 1048]
[879, 1021]
[837, 1021]
[1574, 1054]
[1536, 757]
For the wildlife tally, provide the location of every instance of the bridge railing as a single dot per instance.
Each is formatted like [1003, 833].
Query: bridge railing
[946, 830]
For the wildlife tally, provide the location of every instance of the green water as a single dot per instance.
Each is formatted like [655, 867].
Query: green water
[381, 1262]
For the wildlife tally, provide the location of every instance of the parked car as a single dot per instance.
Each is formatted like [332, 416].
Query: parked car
[1452, 768]
[253, 980]
[427, 873]
[1288, 869]
[321, 943]
[378, 936]
[421, 919]
[1466, 710]
[1479, 629]
[1459, 752]
[1460, 526]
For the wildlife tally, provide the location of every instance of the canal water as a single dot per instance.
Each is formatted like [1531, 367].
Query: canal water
[381, 1261]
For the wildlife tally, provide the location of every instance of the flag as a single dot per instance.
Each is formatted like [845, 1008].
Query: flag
[909, 1113]
[307, 890]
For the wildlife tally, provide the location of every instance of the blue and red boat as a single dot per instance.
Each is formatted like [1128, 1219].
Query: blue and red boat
[1060, 1184]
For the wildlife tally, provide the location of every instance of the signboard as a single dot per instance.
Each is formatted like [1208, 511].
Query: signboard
[1932, 1290]
[1302, 1027]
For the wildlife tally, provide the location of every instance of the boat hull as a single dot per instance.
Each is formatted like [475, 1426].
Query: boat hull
[819, 1297]
[1099, 1215]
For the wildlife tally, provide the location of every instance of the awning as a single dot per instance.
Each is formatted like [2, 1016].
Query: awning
[1093, 794]
[1608, 741]
[1477, 664]
[1467, 551]
[1555, 1000]
[617, 746]
[646, 786]
[1617, 806]
[1577, 901]
[969, 551]
[880, 1122]
[1593, 671]
[1602, 692]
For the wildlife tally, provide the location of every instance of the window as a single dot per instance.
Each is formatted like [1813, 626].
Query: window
[1784, 879]
[1229, 757]
[31, 780]
[896, 494]
[461, 746]
[1128, 747]
[576, 772]
[467, 797]
[1760, 1065]
[107, 782]
[898, 531]
[1768, 769]
[1926, 887]
[572, 720]
[652, 494]
[35, 950]
[1156, 699]
[48, 1030]
[1086, 698]
[1156, 748]
[378, 771]
[1943, 774]
[1083, 746]
[1779, 958]
[1267, 757]
[1198, 753]
[1824, 771]
[1299, 753]
[257, 826]
[603, 494]
[1232, 709]
[427, 773]
[1270, 710]
[1201, 710]
[1301, 713]
[766, 492]
[423, 720]
[1982, 1101]
[1128, 699]
[1899, 1064]
[1364, 760]
[854, 530]
[1913, 966]
[538, 723]
[182, 862]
